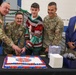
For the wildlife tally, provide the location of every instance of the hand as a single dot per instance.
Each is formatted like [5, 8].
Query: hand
[17, 53]
[71, 45]
[47, 49]
[23, 50]
[16, 48]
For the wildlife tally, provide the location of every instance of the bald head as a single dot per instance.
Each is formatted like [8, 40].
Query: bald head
[4, 8]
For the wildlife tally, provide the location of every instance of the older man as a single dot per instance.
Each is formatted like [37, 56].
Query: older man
[15, 31]
[4, 10]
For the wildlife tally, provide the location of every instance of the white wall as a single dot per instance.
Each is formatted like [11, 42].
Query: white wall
[13, 4]
[66, 8]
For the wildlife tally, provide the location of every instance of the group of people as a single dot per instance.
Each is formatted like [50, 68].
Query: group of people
[37, 34]
[17, 38]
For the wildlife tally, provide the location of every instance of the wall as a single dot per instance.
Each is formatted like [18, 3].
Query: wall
[13, 4]
[14, 7]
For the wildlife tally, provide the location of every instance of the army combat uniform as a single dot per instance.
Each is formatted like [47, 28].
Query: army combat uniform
[53, 28]
[3, 36]
[16, 33]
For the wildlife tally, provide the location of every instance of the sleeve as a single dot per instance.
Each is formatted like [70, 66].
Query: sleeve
[8, 31]
[67, 32]
[5, 39]
[27, 23]
[58, 33]
[31, 43]
[26, 33]
[27, 30]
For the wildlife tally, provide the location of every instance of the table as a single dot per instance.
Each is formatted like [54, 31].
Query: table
[48, 71]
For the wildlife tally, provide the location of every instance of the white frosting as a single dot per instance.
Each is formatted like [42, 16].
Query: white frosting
[15, 63]
[33, 60]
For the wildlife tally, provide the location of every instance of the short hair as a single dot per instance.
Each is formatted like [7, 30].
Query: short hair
[18, 13]
[35, 5]
[5, 2]
[52, 3]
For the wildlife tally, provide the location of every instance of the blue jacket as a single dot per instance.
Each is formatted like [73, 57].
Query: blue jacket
[70, 32]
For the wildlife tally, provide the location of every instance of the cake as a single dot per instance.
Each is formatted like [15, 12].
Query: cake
[23, 62]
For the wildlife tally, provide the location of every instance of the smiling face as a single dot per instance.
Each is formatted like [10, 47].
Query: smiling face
[4, 8]
[52, 10]
[34, 9]
[19, 19]
[34, 12]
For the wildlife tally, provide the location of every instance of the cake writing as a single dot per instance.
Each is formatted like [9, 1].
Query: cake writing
[23, 59]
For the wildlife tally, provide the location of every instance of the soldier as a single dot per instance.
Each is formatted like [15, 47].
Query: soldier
[4, 9]
[15, 31]
[53, 27]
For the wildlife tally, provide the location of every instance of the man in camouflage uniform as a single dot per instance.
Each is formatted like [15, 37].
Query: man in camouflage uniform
[53, 27]
[15, 31]
[4, 9]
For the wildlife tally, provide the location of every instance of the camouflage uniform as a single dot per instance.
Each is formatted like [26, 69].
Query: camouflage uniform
[3, 36]
[53, 29]
[16, 33]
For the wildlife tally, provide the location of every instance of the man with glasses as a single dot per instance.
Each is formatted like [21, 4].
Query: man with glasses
[15, 31]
